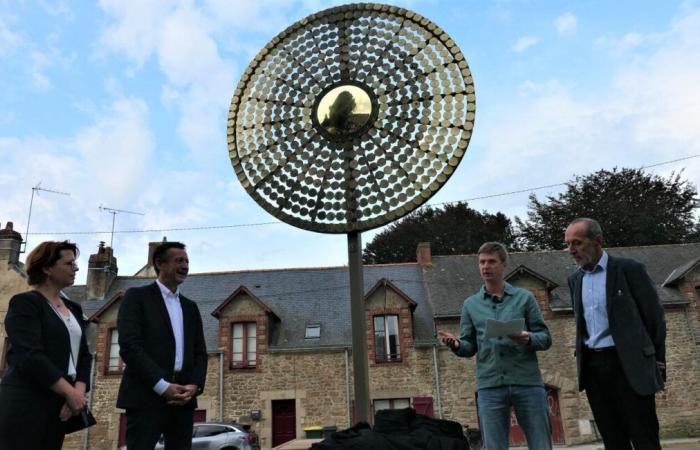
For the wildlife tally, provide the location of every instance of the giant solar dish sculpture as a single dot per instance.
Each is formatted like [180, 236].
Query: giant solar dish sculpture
[351, 118]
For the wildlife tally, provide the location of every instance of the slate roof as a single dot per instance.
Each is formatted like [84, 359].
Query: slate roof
[451, 279]
[297, 296]
[679, 272]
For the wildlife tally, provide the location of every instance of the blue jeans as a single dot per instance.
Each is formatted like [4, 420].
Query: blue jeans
[530, 403]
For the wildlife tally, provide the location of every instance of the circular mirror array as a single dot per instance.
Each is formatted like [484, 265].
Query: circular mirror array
[351, 118]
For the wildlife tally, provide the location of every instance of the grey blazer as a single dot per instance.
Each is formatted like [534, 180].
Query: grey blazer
[636, 320]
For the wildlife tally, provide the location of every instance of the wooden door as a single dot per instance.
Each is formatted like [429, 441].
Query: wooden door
[200, 415]
[122, 431]
[517, 435]
[555, 416]
[284, 422]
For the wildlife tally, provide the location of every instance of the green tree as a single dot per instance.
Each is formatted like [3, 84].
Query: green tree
[633, 208]
[452, 230]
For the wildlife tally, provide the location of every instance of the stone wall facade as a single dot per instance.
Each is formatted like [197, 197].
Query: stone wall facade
[320, 381]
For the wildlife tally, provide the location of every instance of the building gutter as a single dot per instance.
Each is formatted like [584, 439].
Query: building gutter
[220, 353]
[438, 401]
[347, 386]
[691, 330]
[89, 399]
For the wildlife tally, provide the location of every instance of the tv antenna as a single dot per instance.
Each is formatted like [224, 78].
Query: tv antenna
[36, 190]
[114, 213]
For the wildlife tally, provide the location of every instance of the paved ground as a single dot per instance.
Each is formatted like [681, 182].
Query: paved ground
[686, 444]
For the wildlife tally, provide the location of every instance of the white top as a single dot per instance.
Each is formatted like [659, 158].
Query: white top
[172, 303]
[75, 333]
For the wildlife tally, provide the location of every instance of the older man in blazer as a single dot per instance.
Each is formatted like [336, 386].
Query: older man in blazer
[620, 340]
[162, 344]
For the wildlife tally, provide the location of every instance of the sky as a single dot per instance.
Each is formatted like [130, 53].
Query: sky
[123, 104]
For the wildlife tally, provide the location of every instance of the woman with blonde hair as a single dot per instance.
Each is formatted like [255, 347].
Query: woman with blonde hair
[48, 362]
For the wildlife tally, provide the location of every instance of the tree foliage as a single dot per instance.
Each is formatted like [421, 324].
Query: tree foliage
[633, 207]
[455, 229]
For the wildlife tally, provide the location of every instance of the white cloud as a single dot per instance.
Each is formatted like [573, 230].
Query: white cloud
[645, 113]
[182, 40]
[524, 43]
[58, 9]
[9, 40]
[628, 42]
[38, 63]
[566, 23]
[116, 150]
[136, 27]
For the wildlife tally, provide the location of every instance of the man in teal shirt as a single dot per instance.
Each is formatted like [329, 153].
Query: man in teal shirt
[507, 372]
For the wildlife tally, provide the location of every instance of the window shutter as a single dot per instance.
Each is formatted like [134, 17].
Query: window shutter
[423, 405]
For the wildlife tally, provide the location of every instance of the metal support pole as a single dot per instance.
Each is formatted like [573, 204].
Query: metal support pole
[29, 219]
[359, 328]
[111, 239]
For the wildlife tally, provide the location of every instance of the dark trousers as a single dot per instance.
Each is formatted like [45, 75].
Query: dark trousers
[624, 418]
[145, 426]
[29, 419]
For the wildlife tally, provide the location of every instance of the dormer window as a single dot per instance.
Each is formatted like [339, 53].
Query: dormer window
[313, 331]
[244, 349]
[387, 339]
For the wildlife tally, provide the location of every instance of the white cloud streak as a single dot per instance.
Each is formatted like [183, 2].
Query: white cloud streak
[524, 43]
[566, 23]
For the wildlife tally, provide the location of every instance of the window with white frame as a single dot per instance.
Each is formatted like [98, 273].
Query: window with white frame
[313, 331]
[386, 338]
[391, 403]
[3, 356]
[114, 363]
[244, 344]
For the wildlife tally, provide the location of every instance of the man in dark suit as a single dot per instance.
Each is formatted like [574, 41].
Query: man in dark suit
[162, 344]
[620, 340]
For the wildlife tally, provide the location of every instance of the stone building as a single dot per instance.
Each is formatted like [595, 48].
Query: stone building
[279, 341]
[12, 279]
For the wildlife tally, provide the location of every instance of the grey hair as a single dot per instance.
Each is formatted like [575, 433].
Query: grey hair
[593, 229]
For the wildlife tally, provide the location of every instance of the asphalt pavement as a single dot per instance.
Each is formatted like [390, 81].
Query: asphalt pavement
[685, 444]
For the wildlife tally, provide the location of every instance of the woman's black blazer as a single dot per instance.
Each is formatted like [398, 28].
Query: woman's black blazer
[40, 345]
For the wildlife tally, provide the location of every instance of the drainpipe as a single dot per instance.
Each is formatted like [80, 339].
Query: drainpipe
[691, 330]
[89, 399]
[347, 388]
[221, 385]
[437, 381]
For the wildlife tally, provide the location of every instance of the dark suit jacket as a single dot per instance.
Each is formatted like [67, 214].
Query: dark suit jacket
[40, 344]
[636, 320]
[147, 346]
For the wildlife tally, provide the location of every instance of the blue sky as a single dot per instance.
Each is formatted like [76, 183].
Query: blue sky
[123, 103]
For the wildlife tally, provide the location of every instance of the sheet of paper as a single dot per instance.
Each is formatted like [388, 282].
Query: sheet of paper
[495, 328]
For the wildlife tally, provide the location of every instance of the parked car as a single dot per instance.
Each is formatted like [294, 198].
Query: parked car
[221, 436]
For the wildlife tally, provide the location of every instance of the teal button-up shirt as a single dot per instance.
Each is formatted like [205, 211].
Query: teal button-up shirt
[501, 361]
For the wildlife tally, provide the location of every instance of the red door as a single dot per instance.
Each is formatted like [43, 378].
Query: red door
[200, 415]
[555, 415]
[517, 435]
[284, 422]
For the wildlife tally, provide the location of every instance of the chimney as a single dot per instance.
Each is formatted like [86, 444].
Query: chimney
[152, 248]
[102, 270]
[10, 244]
[423, 255]
[149, 271]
